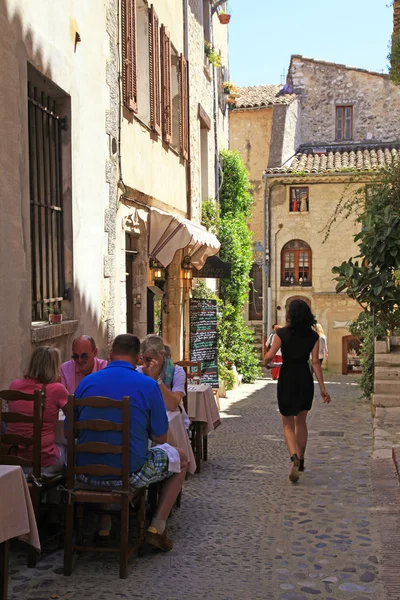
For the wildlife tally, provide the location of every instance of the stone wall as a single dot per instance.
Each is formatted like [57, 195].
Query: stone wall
[250, 131]
[322, 86]
[33, 35]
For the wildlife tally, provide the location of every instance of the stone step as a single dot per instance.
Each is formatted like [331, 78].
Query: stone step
[386, 400]
[387, 387]
[387, 360]
[387, 373]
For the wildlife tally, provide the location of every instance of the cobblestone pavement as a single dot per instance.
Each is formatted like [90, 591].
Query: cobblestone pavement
[244, 532]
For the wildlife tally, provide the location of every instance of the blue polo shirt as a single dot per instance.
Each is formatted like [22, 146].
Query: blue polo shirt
[148, 416]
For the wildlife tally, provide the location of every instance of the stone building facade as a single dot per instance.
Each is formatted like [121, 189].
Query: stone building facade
[82, 172]
[57, 175]
[336, 130]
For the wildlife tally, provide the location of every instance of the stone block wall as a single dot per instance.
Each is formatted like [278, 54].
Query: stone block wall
[322, 86]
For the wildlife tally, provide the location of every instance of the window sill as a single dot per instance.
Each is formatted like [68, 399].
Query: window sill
[299, 212]
[297, 286]
[42, 331]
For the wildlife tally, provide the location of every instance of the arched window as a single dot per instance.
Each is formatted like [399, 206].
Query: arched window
[296, 263]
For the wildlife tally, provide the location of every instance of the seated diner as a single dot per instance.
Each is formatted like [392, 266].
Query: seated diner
[158, 365]
[148, 417]
[42, 374]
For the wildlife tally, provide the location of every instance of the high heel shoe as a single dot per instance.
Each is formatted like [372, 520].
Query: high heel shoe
[294, 470]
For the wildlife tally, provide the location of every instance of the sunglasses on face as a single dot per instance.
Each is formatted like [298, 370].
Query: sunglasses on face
[83, 356]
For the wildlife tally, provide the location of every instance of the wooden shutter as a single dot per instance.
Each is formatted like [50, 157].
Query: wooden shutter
[166, 85]
[129, 63]
[184, 106]
[154, 64]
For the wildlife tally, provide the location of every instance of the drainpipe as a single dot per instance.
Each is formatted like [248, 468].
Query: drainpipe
[215, 116]
[267, 234]
[188, 163]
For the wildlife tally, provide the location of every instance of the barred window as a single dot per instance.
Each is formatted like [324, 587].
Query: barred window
[46, 199]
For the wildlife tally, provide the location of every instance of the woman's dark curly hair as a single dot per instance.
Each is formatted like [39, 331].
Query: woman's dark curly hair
[299, 315]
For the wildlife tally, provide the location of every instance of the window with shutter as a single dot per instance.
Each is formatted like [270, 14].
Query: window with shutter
[166, 85]
[155, 74]
[129, 70]
[184, 107]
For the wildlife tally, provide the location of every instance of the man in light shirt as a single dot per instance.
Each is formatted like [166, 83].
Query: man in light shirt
[83, 362]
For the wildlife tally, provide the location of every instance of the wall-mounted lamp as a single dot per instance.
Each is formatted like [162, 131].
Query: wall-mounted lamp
[186, 265]
[157, 270]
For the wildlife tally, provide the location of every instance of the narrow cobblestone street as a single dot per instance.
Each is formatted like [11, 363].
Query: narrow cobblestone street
[244, 532]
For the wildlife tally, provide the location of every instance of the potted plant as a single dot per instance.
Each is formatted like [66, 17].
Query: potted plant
[55, 313]
[224, 17]
[228, 88]
[212, 55]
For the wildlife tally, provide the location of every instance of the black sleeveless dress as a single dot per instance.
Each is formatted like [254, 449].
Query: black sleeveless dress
[295, 383]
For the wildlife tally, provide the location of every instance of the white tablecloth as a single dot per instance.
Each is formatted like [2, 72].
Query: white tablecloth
[178, 437]
[203, 407]
[17, 518]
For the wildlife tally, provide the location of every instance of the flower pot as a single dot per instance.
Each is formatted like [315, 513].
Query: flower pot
[224, 18]
[55, 319]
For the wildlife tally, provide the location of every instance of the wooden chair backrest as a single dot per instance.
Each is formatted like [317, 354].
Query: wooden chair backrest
[73, 446]
[10, 440]
[189, 365]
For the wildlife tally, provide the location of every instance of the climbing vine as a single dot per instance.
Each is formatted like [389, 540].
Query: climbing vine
[229, 221]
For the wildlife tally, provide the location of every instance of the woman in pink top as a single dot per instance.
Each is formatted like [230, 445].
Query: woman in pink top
[42, 374]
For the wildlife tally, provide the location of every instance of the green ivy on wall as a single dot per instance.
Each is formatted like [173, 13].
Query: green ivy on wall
[230, 222]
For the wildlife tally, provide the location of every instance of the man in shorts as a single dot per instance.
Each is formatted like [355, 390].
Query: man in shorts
[148, 418]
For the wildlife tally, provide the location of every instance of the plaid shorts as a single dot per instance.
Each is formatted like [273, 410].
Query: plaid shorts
[154, 469]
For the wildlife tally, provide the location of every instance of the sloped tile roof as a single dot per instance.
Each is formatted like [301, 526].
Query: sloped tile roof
[262, 95]
[338, 160]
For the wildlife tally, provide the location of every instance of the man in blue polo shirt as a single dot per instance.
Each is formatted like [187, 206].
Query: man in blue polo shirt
[148, 420]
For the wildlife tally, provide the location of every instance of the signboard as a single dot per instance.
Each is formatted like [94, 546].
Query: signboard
[203, 338]
[214, 268]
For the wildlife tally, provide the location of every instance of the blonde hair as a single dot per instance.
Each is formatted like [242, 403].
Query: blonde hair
[44, 364]
[319, 330]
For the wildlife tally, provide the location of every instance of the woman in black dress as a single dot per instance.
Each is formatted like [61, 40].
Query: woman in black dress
[295, 383]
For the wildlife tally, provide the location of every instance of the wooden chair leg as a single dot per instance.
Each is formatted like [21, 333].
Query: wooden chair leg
[79, 523]
[198, 444]
[68, 538]
[4, 553]
[124, 539]
[205, 447]
[35, 497]
[142, 523]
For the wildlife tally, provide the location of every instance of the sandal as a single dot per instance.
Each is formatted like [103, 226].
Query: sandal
[294, 470]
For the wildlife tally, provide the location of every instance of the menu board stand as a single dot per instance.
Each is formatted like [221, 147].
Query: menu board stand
[203, 338]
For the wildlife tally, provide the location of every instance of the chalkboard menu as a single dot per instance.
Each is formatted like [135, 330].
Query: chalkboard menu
[203, 338]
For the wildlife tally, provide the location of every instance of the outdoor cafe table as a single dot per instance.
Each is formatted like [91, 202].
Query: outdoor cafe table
[177, 435]
[17, 518]
[203, 412]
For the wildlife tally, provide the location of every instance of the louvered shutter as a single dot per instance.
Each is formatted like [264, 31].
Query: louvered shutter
[184, 106]
[166, 85]
[129, 63]
[154, 63]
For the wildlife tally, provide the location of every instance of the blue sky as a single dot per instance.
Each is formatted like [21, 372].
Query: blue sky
[264, 33]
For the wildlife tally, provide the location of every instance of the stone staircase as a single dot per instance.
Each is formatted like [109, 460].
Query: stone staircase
[387, 374]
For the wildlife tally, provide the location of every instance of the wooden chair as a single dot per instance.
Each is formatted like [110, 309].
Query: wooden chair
[9, 450]
[199, 441]
[83, 494]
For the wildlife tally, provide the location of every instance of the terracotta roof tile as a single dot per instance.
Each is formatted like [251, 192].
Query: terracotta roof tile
[335, 160]
[262, 95]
